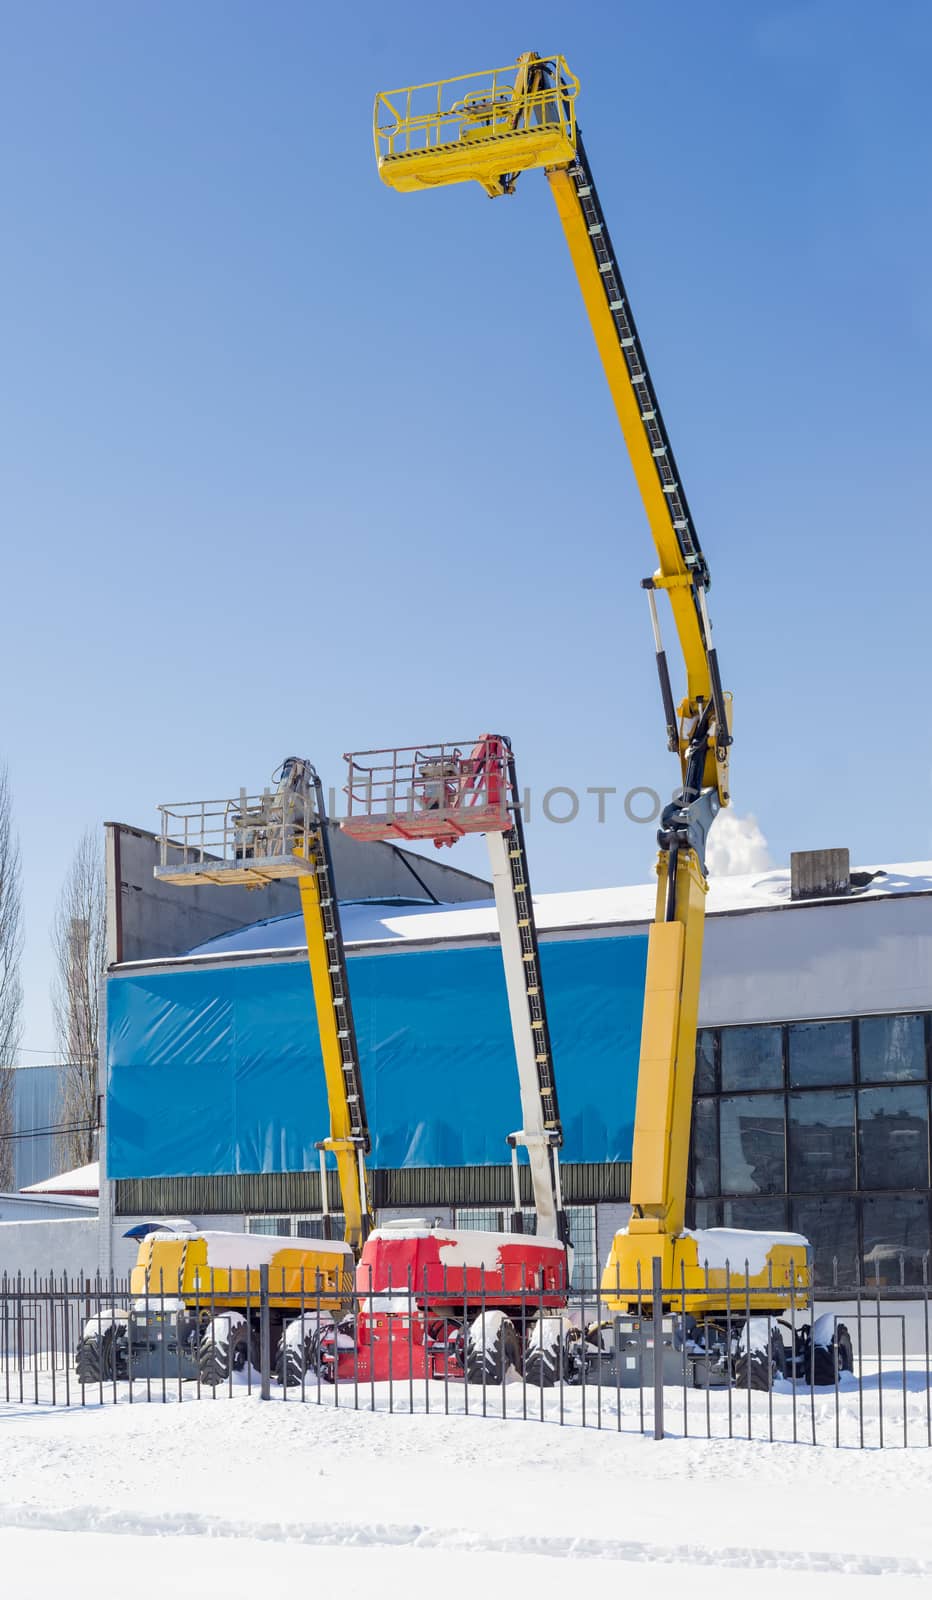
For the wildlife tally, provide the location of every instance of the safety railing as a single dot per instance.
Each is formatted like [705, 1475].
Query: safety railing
[438, 790]
[850, 1370]
[203, 837]
[427, 116]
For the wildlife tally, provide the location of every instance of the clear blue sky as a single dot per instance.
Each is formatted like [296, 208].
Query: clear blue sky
[289, 462]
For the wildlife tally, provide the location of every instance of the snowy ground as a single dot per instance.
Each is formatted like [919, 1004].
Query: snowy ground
[219, 1497]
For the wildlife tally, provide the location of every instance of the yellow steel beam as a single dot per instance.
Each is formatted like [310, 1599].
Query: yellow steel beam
[663, 1114]
[356, 1206]
[672, 574]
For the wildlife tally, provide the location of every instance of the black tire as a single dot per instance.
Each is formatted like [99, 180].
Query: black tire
[543, 1368]
[295, 1363]
[826, 1363]
[98, 1357]
[488, 1360]
[753, 1370]
[224, 1349]
[545, 1363]
[291, 1365]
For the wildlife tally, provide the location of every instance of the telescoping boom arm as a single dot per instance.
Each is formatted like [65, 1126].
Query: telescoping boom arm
[489, 128]
[349, 1140]
[440, 792]
[255, 840]
[491, 771]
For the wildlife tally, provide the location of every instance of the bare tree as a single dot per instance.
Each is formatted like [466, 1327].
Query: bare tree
[11, 992]
[79, 940]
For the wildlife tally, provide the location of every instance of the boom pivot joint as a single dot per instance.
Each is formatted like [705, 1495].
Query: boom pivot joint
[685, 824]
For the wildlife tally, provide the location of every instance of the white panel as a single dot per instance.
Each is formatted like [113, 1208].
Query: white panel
[818, 961]
[68, 1245]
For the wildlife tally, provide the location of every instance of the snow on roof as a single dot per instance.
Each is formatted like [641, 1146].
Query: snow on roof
[378, 922]
[81, 1180]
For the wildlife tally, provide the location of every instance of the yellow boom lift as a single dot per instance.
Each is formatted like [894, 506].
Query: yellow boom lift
[196, 1293]
[489, 128]
[254, 841]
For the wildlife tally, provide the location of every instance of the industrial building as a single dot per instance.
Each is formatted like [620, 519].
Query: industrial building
[812, 1086]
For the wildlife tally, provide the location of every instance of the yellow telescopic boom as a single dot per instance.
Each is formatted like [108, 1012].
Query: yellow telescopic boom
[489, 128]
[349, 1139]
[254, 840]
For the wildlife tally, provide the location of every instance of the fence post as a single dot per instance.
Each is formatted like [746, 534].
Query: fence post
[265, 1335]
[657, 1313]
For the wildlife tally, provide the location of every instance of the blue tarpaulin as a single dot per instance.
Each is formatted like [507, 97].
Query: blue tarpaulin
[218, 1070]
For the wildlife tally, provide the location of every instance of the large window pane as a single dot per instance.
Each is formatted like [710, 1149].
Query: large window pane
[892, 1048]
[313, 1227]
[752, 1144]
[896, 1237]
[488, 1219]
[707, 1213]
[820, 1053]
[752, 1058]
[893, 1128]
[278, 1226]
[767, 1212]
[831, 1226]
[581, 1220]
[705, 1148]
[821, 1140]
[705, 1062]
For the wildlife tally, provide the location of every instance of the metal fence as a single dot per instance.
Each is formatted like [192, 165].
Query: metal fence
[849, 1369]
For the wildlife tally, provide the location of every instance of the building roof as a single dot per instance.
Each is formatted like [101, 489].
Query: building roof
[80, 1181]
[378, 922]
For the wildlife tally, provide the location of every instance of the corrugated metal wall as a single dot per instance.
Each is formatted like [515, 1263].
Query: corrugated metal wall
[37, 1095]
[584, 1183]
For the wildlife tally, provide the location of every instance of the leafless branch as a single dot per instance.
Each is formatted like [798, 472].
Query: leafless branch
[79, 941]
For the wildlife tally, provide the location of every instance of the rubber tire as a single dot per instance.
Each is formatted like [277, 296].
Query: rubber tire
[295, 1363]
[544, 1365]
[97, 1358]
[218, 1358]
[826, 1364]
[754, 1371]
[291, 1365]
[542, 1368]
[492, 1364]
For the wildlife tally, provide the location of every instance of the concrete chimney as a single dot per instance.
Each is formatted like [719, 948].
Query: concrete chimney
[816, 873]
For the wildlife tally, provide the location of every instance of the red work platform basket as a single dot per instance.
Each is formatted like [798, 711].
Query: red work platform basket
[430, 791]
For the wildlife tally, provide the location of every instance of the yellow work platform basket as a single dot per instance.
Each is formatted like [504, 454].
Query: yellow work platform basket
[486, 126]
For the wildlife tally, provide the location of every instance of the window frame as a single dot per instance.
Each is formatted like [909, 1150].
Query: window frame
[859, 1196]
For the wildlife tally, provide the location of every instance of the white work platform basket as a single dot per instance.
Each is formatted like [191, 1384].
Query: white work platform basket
[252, 839]
[430, 791]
